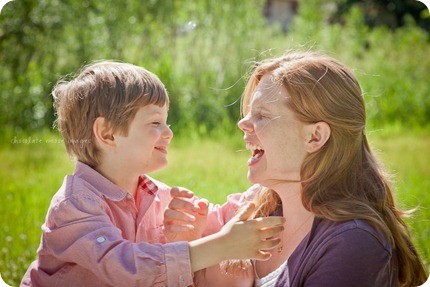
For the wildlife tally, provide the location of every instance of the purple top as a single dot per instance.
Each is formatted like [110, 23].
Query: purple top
[349, 253]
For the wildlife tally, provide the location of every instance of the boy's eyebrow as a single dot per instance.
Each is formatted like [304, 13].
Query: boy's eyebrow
[155, 112]
[155, 109]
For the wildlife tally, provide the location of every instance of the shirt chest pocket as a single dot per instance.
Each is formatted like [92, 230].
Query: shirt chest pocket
[150, 230]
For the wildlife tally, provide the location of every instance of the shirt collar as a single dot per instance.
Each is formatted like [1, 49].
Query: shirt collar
[147, 185]
[107, 188]
[102, 185]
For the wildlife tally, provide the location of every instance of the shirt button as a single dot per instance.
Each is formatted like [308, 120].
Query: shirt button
[101, 239]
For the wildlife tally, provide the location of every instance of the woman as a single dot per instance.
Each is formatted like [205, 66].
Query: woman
[304, 121]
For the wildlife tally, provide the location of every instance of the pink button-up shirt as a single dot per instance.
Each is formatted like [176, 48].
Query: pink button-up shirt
[96, 235]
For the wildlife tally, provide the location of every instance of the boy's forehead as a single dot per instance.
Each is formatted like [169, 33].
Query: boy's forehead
[153, 109]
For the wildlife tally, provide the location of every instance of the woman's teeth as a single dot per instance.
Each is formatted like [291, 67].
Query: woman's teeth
[257, 151]
[250, 146]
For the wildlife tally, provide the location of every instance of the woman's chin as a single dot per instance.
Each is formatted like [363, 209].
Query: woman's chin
[253, 178]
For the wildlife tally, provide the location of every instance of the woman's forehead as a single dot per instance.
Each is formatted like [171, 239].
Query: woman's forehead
[268, 92]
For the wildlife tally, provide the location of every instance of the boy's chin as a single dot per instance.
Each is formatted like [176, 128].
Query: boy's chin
[159, 167]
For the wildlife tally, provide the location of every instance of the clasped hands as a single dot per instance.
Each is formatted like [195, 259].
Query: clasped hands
[185, 219]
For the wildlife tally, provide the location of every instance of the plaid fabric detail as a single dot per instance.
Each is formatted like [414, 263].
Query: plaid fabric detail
[146, 185]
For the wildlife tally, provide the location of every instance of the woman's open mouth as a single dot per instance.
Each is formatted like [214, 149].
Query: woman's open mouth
[257, 153]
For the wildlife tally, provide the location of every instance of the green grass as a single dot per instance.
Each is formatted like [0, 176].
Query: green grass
[32, 172]
[210, 168]
[407, 158]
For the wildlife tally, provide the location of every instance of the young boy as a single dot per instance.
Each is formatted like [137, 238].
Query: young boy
[104, 225]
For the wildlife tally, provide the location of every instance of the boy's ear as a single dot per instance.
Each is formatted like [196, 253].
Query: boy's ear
[103, 133]
[319, 133]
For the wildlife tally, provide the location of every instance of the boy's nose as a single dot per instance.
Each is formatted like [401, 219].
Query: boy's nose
[168, 133]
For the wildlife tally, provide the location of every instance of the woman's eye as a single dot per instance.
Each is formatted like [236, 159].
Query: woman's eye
[156, 123]
[258, 116]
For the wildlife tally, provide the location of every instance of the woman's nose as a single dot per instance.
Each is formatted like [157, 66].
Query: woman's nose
[245, 124]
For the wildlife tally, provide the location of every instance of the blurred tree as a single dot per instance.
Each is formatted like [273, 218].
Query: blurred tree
[25, 67]
[197, 48]
[41, 40]
[391, 13]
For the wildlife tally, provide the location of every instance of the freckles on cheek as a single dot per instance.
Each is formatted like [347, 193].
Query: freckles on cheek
[263, 130]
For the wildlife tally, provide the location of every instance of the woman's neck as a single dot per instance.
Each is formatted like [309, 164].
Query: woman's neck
[297, 226]
[292, 206]
[298, 219]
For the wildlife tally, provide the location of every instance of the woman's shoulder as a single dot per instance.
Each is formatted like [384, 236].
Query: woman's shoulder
[342, 242]
[355, 250]
[354, 233]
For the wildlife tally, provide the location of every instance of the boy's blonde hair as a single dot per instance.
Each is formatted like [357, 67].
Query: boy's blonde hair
[112, 90]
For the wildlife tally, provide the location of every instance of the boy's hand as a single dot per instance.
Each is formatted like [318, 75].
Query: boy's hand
[238, 239]
[183, 220]
[250, 239]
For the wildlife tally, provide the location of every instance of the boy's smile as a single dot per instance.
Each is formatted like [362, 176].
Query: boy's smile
[144, 149]
[162, 149]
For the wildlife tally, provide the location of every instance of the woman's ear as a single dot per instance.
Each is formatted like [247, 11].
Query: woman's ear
[103, 133]
[319, 133]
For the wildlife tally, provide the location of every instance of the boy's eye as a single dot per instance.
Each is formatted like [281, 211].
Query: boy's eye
[156, 123]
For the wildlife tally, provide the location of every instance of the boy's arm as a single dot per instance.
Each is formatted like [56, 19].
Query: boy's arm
[238, 239]
[80, 231]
